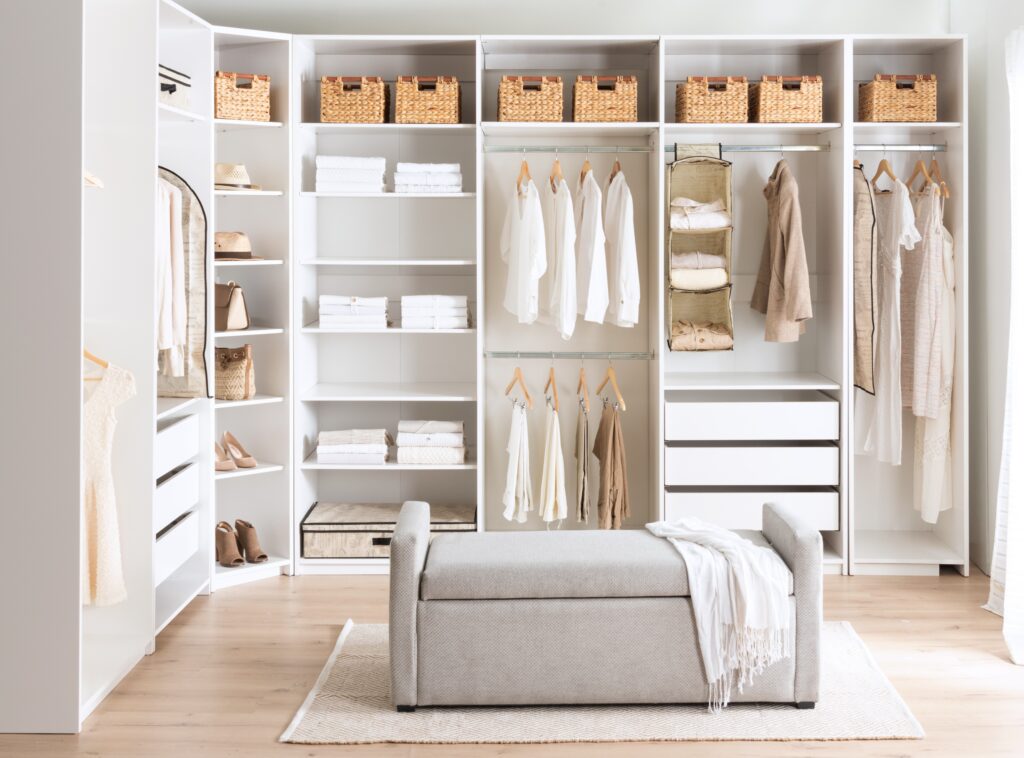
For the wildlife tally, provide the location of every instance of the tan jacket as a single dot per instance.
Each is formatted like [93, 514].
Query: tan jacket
[783, 288]
[613, 487]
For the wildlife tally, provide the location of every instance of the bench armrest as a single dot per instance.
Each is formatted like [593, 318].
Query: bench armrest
[800, 547]
[408, 557]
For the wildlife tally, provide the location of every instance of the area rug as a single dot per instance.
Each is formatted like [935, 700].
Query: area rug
[350, 705]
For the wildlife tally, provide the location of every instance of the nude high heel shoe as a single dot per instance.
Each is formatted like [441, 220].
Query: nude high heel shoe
[227, 546]
[223, 460]
[239, 455]
[250, 542]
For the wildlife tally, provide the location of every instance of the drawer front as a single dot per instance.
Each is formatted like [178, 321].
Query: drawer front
[735, 466]
[359, 544]
[742, 510]
[176, 442]
[175, 495]
[815, 418]
[174, 547]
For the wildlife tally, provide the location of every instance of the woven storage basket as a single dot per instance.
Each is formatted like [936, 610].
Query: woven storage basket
[427, 100]
[893, 97]
[702, 179]
[530, 98]
[353, 100]
[604, 98]
[242, 97]
[713, 306]
[236, 373]
[712, 100]
[786, 99]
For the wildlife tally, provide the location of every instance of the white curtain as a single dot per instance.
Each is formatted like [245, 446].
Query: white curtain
[1006, 594]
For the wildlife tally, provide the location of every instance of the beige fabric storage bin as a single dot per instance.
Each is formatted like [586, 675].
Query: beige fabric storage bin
[364, 530]
[702, 179]
[899, 97]
[713, 307]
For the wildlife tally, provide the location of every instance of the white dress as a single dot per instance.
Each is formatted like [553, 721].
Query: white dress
[623, 270]
[879, 419]
[558, 287]
[523, 249]
[518, 497]
[933, 461]
[553, 503]
[591, 267]
[102, 575]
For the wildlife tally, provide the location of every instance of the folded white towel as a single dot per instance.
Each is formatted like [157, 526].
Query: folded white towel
[451, 301]
[352, 448]
[428, 168]
[330, 319]
[427, 188]
[680, 220]
[697, 260]
[353, 459]
[354, 437]
[353, 310]
[432, 180]
[417, 426]
[697, 206]
[350, 161]
[381, 327]
[381, 302]
[698, 279]
[441, 439]
[436, 322]
[432, 456]
[416, 311]
[352, 175]
[349, 188]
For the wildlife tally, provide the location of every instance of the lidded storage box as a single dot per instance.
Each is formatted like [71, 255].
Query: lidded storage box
[786, 99]
[353, 100]
[364, 530]
[712, 100]
[427, 100]
[530, 98]
[898, 97]
[242, 97]
[604, 98]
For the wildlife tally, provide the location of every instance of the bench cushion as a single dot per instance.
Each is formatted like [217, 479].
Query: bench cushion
[555, 564]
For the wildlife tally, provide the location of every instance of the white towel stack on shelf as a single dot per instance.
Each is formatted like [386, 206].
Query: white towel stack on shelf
[353, 446]
[431, 443]
[435, 312]
[349, 174]
[346, 312]
[428, 177]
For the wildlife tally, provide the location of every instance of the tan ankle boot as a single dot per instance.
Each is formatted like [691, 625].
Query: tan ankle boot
[250, 542]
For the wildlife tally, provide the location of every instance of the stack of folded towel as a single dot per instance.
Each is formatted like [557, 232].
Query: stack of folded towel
[349, 173]
[353, 313]
[353, 446]
[697, 271]
[435, 312]
[428, 177]
[436, 443]
[691, 215]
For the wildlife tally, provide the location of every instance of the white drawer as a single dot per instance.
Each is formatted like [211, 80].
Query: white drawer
[175, 495]
[176, 441]
[174, 547]
[734, 416]
[742, 510]
[737, 466]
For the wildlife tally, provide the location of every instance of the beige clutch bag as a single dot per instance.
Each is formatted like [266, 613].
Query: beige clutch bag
[230, 313]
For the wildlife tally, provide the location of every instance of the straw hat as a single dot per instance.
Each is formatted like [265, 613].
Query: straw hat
[232, 176]
[233, 246]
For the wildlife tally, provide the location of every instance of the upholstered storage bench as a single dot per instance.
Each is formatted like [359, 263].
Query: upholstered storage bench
[572, 617]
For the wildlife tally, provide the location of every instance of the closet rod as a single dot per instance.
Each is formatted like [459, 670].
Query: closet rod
[566, 149]
[766, 148]
[516, 354]
[899, 148]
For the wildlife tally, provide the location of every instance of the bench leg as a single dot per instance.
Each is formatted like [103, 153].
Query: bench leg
[409, 708]
[803, 706]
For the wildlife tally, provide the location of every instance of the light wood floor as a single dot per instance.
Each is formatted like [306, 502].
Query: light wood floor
[230, 672]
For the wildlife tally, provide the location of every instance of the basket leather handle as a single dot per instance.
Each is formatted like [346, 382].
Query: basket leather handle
[381, 540]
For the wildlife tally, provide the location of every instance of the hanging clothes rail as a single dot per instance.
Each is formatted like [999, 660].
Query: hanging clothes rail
[899, 148]
[515, 354]
[569, 149]
[766, 148]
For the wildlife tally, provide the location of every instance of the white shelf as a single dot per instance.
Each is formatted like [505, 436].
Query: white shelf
[258, 400]
[922, 127]
[265, 262]
[263, 468]
[568, 129]
[315, 328]
[747, 381]
[393, 129]
[383, 392]
[812, 128]
[227, 124]
[395, 195]
[254, 331]
[225, 577]
[312, 463]
[247, 193]
[174, 113]
[908, 547]
[169, 406]
[392, 262]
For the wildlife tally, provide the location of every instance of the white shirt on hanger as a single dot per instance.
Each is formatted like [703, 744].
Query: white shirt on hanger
[523, 248]
[558, 288]
[591, 268]
[623, 270]
[518, 495]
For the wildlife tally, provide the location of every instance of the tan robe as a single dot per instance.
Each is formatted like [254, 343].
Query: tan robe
[783, 288]
[613, 487]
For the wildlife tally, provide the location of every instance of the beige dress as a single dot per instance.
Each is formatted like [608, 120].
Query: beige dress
[102, 576]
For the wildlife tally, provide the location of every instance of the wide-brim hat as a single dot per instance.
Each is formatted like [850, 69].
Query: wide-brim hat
[233, 246]
[232, 176]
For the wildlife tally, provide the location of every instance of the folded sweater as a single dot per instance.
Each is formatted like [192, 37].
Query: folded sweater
[439, 439]
[698, 279]
[355, 437]
[697, 260]
[431, 427]
[432, 456]
[350, 161]
[701, 335]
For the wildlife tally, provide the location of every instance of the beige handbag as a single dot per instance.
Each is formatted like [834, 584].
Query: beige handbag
[236, 373]
[230, 313]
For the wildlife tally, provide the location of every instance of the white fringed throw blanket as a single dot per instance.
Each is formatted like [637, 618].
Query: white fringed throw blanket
[740, 597]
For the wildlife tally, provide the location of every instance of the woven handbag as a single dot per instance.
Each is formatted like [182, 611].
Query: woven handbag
[236, 373]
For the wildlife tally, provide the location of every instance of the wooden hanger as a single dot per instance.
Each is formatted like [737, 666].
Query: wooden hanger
[616, 168]
[586, 167]
[920, 170]
[517, 378]
[884, 167]
[553, 386]
[94, 359]
[936, 174]
[581, 390]
[609, 376]
[556, 174]
[524, 173]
